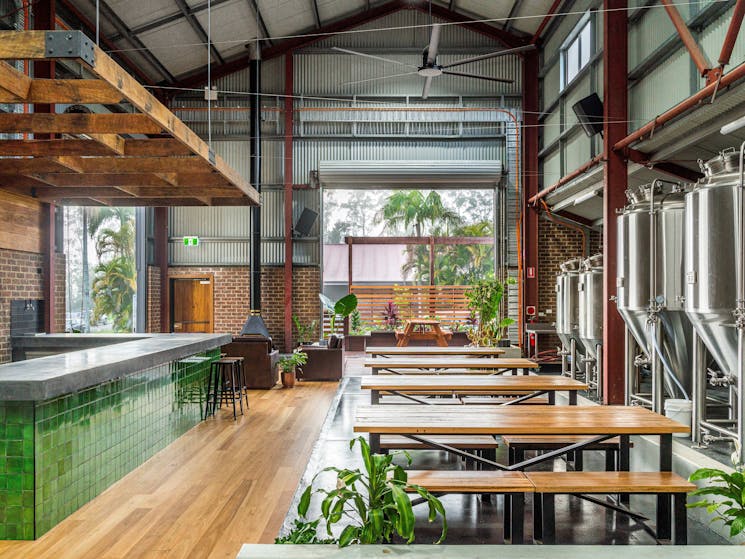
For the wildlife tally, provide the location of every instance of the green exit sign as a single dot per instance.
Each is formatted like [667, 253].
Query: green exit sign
[191, 241]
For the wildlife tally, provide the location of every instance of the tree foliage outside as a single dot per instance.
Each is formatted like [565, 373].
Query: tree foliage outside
[114, 281]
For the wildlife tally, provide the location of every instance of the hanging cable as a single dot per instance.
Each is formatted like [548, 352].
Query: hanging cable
[209, 74]
[98, 21]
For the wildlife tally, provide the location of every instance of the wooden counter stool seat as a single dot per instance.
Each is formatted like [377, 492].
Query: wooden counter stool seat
[223, 386]
[513, 485]
[662, 484]
[517, 445]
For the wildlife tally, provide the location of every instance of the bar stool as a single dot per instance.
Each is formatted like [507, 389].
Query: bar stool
[221, 385]
[241, 377]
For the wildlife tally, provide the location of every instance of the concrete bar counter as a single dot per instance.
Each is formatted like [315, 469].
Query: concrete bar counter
[72, 424]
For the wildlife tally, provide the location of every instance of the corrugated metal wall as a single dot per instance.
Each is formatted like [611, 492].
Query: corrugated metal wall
[348, 133]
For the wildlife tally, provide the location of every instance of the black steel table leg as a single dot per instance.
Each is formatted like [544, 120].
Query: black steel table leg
[572, 397]
[517, 526]
[537, 517]
[507, 517]
[681, 520]
[548, 518]
[551, 397]
[623, 464]
[374, 397]
[375, 443]
[664, 520]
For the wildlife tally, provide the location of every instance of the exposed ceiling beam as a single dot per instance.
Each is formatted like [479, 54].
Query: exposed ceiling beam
[546, 21]
[511, 15]
[198, 29]
[59, 91]
[123, 30]
[170, 18]
[316, 14]
[451, 5]
[77, 123]
[667, 167]
[262, 26]
[199, 77]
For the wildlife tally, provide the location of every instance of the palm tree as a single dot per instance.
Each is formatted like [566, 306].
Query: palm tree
[405, 208]
[114, 284]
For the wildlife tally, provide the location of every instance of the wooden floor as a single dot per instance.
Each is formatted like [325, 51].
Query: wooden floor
[222, 484]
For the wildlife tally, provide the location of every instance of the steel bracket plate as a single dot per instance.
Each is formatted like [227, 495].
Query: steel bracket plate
[69, 44]
[211, 156]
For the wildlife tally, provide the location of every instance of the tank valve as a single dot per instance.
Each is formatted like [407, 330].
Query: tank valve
[716, 379]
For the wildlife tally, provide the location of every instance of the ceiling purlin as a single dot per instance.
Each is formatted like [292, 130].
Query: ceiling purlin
[123, 30]
[198, 77]
[198, 29]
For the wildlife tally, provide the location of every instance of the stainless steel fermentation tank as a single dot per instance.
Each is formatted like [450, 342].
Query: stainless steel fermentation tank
[715, 284]
[567, 317]
[650, 292]
[590, 299]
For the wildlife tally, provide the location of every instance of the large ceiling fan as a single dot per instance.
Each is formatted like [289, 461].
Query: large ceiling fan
[430, 69]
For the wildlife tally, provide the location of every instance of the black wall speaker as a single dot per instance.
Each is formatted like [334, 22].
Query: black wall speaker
[589, 112]
[305, 223]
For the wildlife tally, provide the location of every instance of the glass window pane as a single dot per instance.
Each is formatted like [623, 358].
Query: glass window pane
[585, 40]
[572, 55]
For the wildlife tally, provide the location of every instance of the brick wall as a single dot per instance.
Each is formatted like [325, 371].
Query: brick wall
[231, 291]
[305, 303]
[22, 277]
[153, 299]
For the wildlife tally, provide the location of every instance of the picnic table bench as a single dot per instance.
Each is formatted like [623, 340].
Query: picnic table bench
[423, 329]
[441, 365]
[453, 351]
[522, 388]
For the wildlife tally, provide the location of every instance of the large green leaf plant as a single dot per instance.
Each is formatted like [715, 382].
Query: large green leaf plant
[724, 497]
[374, 503]
[343, 307]
[485, 302]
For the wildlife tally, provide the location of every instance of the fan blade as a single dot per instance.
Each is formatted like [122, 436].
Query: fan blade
[489, 55]
[427, 85]
[478, 77]
[373, 56]
[434, 43]
[379, 78]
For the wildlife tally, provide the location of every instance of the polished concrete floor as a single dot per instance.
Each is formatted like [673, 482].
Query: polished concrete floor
[472, 520]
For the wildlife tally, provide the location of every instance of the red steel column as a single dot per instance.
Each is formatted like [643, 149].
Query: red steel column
[160, 242]
[289, 88]
[615, 105]
[528, 284]
[44, 16]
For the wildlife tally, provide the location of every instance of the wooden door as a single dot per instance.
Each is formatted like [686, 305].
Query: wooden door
[191, 300]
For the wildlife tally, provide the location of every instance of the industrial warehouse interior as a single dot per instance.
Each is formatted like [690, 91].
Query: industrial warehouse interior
[372, 278]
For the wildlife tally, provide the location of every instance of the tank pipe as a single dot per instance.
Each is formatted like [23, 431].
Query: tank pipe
[740, 312]
[727, 79]
[665, 363]
[567, 178]
[551, 216]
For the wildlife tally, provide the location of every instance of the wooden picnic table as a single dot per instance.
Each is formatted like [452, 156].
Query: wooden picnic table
[526, 387]
[429, 329]
[456, 351]
[600, 423]
[441, 365]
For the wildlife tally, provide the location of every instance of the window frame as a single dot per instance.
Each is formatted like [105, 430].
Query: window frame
[575, 37]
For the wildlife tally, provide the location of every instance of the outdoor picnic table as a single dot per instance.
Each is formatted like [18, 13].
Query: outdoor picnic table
[525, 387]
[455, 351]
[428, 329]
[442, 365]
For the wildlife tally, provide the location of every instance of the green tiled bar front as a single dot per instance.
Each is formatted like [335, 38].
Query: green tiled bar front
[59, 454]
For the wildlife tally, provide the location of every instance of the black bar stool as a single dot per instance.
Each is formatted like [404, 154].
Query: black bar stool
[223, 385]
[241, 378]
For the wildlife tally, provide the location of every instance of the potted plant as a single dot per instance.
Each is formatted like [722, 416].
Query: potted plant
[390, 320]
[343, 308]
[358, 333]
[374, 503]
[485, 302]
[288, 366]
[305, 332]
[729, 507]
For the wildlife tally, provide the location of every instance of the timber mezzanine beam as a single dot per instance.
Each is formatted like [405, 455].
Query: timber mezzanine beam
[183, 169]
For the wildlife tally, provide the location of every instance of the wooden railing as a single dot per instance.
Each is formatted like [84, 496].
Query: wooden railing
[444, 302]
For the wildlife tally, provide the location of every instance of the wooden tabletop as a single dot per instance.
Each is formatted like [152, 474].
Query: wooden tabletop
[451, 363]
[467, 383]
[404, 419]
[434, 350]
[423, 321]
